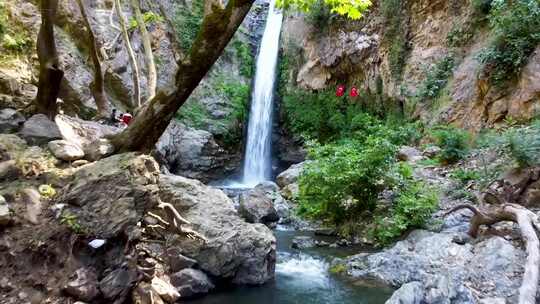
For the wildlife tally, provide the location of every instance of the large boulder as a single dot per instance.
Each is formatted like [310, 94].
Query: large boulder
[445, 268]
[110, 196]
[193, 153]
[290, 176]
[410, 293]
[10, 120]
[190, 282]
[241, 252]
[257, 207]
[39, 130]
[65, 150]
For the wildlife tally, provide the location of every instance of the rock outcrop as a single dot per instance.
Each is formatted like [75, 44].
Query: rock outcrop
[39, 130]
[240, 252]
[448, 272]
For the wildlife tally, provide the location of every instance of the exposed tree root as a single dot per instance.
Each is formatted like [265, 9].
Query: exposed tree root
[527, 222]
[174, 223]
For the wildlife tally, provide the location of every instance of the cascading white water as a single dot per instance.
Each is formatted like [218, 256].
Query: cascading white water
[257, 161]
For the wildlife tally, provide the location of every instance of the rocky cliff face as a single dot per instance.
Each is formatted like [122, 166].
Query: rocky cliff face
[362, 54]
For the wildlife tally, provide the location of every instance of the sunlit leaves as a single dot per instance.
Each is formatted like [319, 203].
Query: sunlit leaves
[353, 9]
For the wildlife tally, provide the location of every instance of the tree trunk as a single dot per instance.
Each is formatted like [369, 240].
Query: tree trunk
[131, 54]
[147, 45]
[98, 86]
[50, 73]
[217, 29]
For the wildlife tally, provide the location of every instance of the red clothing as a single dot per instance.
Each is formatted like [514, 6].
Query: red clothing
[126, 118]
[354, 92]
[340, 91]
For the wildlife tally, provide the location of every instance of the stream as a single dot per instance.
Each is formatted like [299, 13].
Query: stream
[302, 277]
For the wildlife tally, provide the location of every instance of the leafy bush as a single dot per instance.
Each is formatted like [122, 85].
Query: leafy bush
[345, 178]
[16, 43]
[515, 24]
[412, 208]
[524, 145]
[453, 142]
[319, 15]
[436, 79]
[187, 22]
[464, 176]
[481, 7]
[238, 96]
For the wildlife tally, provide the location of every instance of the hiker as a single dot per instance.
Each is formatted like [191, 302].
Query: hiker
[354, 92]
[340, 91]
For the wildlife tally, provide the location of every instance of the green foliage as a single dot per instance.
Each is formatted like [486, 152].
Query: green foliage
[515, 25]
[13, 39]
[464, 176]
[460, 35]
[194, 114]
[325, 117]
[395, 35]
[246, 58]
[148, 18]
[187, 22]
[344, 179]
[436, 79]
[454, 143]
[72, 222]
[319, 15]
[524, 145]
[238, 96]
[481, 7]
[413, 206]
[353, 9]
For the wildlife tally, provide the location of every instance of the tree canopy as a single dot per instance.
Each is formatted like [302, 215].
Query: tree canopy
[353, 9]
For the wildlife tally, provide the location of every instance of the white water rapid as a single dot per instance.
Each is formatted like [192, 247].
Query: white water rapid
[257, 161]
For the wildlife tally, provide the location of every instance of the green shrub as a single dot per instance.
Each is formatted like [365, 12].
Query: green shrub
[524, 145]
[481, 7]
[464, 176]
[436, 79]
[413, 206]
[187, 22]
[238, 96]
[515, 25]
[16, 43]
[344, 178]
[453, 142]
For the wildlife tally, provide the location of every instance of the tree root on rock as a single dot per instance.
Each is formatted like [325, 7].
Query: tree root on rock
[527, 222]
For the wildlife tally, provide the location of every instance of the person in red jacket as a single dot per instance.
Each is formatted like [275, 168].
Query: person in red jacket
[340, 91]
[354, 92]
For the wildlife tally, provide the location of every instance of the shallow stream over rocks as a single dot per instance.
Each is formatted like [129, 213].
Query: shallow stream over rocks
[303, 276]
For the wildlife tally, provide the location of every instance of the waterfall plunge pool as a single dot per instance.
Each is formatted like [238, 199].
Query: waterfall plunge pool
[302, 277]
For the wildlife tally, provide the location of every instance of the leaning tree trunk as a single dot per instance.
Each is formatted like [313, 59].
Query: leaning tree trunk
[50, 73]
[147, 45]
[98, 86]
[131, 54]
[217, 29]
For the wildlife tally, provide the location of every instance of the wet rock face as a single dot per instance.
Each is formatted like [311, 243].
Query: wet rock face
[444, 268]
[257, 207]
[238, 251]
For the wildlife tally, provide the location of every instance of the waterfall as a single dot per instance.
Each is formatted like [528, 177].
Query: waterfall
[257, 161]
